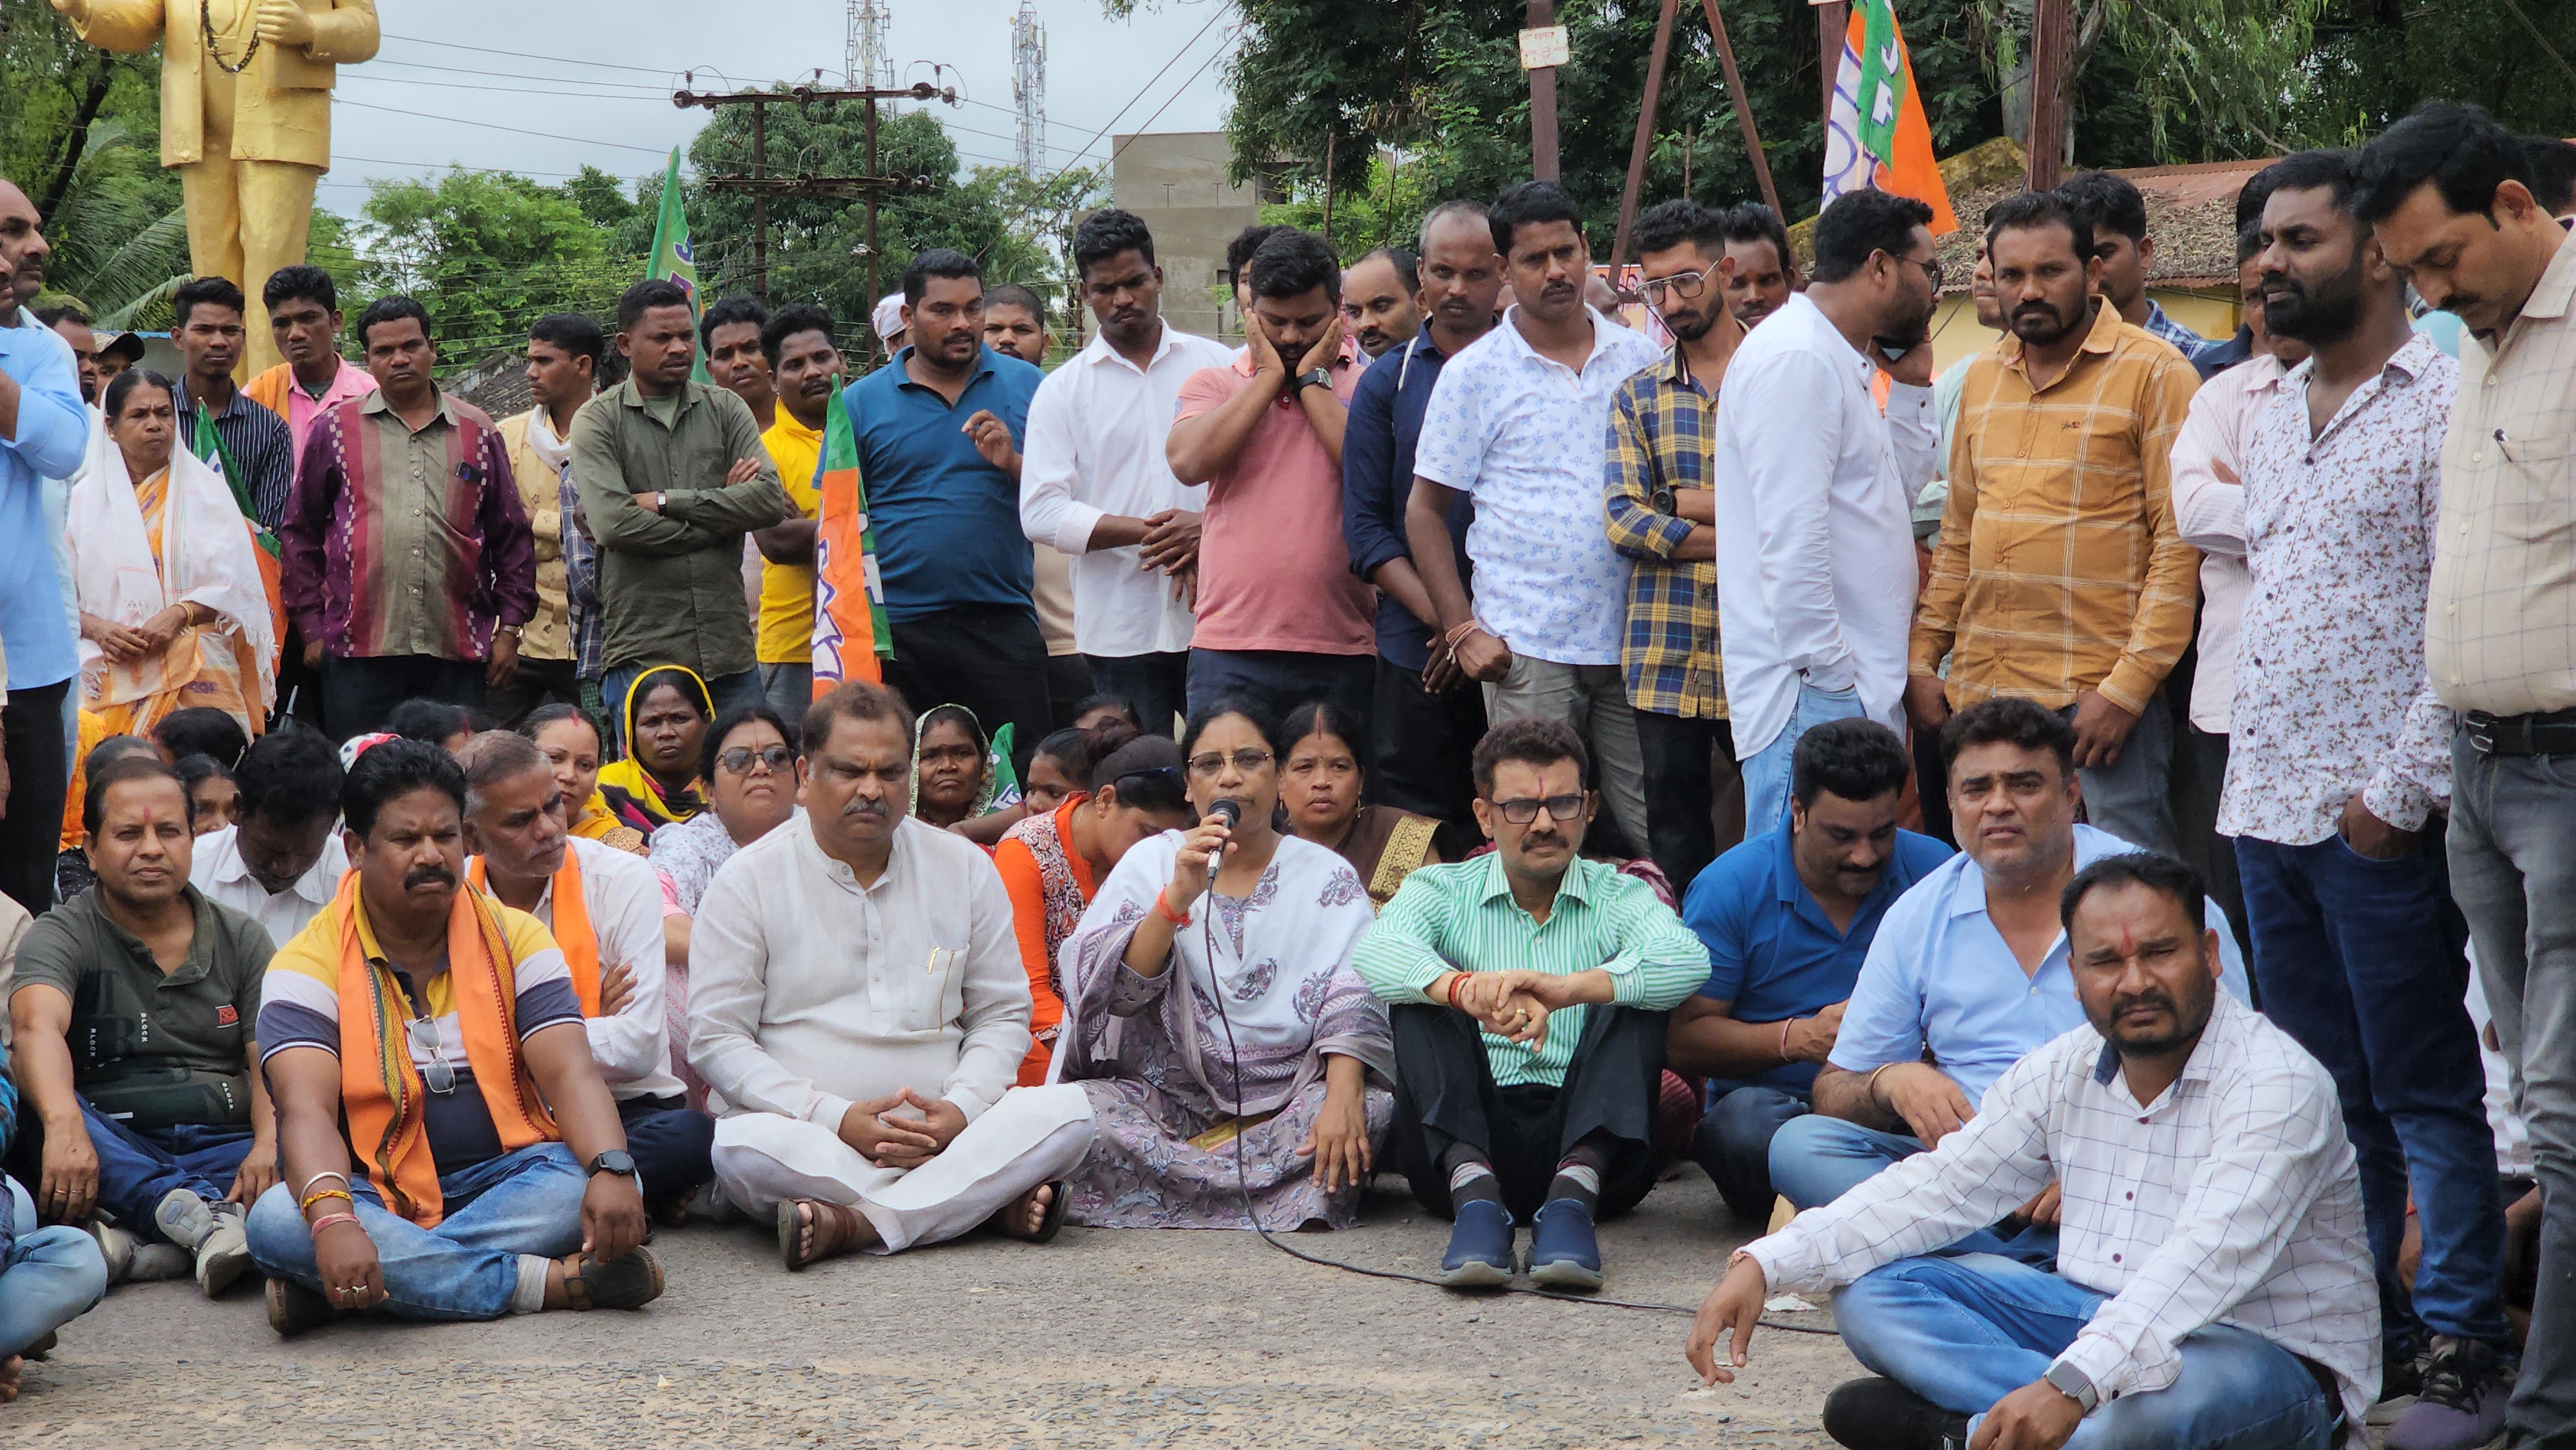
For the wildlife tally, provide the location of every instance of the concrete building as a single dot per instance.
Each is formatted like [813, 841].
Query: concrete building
[1176, 181]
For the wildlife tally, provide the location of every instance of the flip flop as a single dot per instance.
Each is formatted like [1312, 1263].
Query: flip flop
[1053, 1222]
[834, 1227]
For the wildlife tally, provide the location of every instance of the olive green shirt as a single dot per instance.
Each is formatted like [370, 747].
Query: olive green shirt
[670, 584]
[200, 1016]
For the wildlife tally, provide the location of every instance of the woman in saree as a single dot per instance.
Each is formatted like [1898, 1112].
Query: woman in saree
[1320, 784]
[667, 712]
[958, 772]
[571, 745]
[1212, 1017]
[172, 614]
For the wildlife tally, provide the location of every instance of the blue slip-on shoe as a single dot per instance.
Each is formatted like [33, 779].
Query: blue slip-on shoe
[1564, 1254]
[1480, 1247]
[2462, 1403]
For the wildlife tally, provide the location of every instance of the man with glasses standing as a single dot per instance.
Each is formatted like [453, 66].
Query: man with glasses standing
[1662, 516]
[1527, 992]
[2077, 591]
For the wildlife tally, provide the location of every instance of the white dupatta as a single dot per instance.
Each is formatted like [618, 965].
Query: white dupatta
[207, 558]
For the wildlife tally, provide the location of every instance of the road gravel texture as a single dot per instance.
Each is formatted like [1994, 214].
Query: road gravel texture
[1104, 1338]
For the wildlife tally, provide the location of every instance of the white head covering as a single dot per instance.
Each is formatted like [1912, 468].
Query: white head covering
[888, 317]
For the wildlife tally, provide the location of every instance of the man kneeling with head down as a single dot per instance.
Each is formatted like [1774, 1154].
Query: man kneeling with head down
[1527, 992]
[491, 1175]
[604, 910]
[858, 1009]
[2214, 1286]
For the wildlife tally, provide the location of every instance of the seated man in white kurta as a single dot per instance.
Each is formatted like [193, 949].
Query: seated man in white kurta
[858, 1009]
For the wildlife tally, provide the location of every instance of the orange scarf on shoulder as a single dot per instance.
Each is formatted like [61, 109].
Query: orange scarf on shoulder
[382, 1095]
[571, 928]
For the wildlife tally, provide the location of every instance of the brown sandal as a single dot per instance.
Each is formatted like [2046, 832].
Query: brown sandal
[627, 1282]
[836, 1227]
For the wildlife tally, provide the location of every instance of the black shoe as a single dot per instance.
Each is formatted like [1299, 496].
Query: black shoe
[1880, 1414]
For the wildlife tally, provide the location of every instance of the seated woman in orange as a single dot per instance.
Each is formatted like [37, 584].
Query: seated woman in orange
[1053, 864]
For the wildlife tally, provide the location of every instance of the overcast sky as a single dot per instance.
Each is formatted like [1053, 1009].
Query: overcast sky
[452, 71]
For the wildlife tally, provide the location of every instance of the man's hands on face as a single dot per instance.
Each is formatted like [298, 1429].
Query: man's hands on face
[1932, 1105]
[2038, 1416]
[1731, 1311]
[612, 1216]
[1327, 347]
[1266, 362]
[2101, 728]
[938, 1119]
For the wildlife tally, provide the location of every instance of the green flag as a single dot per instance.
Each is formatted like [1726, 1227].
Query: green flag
[671, 258]
[211, 450]
[851, 633]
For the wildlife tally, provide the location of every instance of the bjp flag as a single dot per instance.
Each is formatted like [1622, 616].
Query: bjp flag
[1877, 136]
[851, 633]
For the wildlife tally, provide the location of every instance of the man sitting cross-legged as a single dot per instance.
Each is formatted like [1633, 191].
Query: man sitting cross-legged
[1527, 993]
[859, 1011]
[1787, 918]
[490, 1175]
[604, 909]
[2214, 1285]
[132, 1016]
[1967, 975]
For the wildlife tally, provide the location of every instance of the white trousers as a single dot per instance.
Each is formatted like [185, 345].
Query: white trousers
[1031, 1136]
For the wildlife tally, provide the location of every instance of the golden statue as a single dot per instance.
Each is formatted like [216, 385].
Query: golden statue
[245, 116]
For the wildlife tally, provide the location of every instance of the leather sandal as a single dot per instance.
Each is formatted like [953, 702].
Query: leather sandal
[1049, 1224]
[627, 1282]
[836, 1227]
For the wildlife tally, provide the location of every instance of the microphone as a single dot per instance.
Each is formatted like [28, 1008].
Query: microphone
[1228, 810]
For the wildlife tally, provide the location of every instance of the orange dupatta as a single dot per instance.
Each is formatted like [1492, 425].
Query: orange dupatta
[571, 927]
[382, 1096]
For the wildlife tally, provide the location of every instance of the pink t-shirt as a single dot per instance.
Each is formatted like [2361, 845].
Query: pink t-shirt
[1273, 571]
[302, 408]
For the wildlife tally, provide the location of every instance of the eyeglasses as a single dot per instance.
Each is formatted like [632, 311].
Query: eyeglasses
[425, 1037]
[1246, 761]
[1931, 269]
[1522, 811]
[1684, 285]
[739, 760]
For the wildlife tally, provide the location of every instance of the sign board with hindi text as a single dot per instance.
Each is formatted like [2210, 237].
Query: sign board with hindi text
[1545, 48]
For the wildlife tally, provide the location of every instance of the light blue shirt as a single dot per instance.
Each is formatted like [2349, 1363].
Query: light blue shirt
[52, 438]
[1526, 437]
[1940, 975]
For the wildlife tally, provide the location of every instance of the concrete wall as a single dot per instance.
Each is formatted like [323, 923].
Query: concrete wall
[1176, 181]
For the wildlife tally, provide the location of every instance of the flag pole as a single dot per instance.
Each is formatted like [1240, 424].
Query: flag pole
[1638, 149]
[1743, 109]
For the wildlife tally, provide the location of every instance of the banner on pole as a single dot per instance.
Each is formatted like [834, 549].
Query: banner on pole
[1877, 137]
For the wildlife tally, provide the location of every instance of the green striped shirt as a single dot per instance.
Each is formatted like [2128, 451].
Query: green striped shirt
[1462, 917]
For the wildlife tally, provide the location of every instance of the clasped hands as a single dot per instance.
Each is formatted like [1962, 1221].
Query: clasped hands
[890, 1141]
[1514, 1004]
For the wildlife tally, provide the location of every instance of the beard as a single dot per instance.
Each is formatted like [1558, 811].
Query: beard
[1690, 326]
[2044, 323]
[2325, 312]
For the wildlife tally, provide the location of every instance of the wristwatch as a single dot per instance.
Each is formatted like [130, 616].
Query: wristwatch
[1316, 378]
[2073, 1383]
[616, 1161]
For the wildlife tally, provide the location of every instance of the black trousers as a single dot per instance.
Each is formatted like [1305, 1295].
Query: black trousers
[1445, 1094]
[989, 658]
[537, 682]
[358, 694]
[31, 822]
[1068, 683]
[671, 1143]
[1418, 749]
[1681, 791]
[1156, 684]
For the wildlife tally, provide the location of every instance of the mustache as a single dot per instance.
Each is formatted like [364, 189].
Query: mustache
[2156, 997]
[426, 875]
[861, 806]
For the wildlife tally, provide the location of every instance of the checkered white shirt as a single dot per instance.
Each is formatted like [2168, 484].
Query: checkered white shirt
[2231, 1199]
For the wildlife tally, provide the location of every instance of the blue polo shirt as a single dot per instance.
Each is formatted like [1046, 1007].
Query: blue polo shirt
[52, 439]
[1772, 951]
[947, 522]
[1939, 976]
[1377, 479]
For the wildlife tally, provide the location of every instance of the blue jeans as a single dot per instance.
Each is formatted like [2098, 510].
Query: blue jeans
[136, 1170]
[2360, 961]
[1815, 1160]
[1767, 774]
[1964, 1332]
[2130, 798]
[789, 690]
[726, 691]
[54, 1276]
[523, 1203]
[1734, 1142]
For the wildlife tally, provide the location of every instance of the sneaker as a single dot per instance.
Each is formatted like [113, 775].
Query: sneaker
[155, 1262]
[223, 1255]
[630, 1281]
[2462, 1403]
[184, 1218]
[115, 1245]
[1880, 1414]
[1480, 1247]
[1564, 1253]
[293, 1309]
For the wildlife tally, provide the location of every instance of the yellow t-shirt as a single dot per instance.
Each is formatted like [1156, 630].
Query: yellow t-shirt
[787, 590]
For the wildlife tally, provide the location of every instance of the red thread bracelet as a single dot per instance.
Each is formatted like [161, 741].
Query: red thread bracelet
[1456, 981]
[1163, 909]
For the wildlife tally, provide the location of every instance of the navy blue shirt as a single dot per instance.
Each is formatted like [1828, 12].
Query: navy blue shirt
[1772, 951]
[1377, 477]
[947, 522]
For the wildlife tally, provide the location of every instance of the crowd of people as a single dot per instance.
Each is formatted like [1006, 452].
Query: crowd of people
[1220, 822]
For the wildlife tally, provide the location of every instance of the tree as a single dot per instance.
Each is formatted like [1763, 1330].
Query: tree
[79, 133]
[485, 253]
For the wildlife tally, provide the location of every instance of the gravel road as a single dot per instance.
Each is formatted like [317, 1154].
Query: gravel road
[1104, 1338]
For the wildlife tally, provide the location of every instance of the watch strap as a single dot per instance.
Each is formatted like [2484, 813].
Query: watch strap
[2075, 1384]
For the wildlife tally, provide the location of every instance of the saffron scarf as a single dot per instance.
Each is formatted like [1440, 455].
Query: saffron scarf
[571, 926]
[382, 1096]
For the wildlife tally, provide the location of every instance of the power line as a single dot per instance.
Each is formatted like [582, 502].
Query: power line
[663, 97]
[1214, 15]
[523, 55]
[514, 130]
[1217, 55]
[512, 75]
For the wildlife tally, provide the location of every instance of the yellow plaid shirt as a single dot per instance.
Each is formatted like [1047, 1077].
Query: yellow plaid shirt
[1663, 433]
[2061, 569]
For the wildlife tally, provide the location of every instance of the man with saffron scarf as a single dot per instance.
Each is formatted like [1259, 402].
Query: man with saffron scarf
[604, 907]
[489, 1174]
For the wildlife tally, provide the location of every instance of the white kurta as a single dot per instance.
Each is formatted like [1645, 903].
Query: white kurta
[809, 992]
[624, 902]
